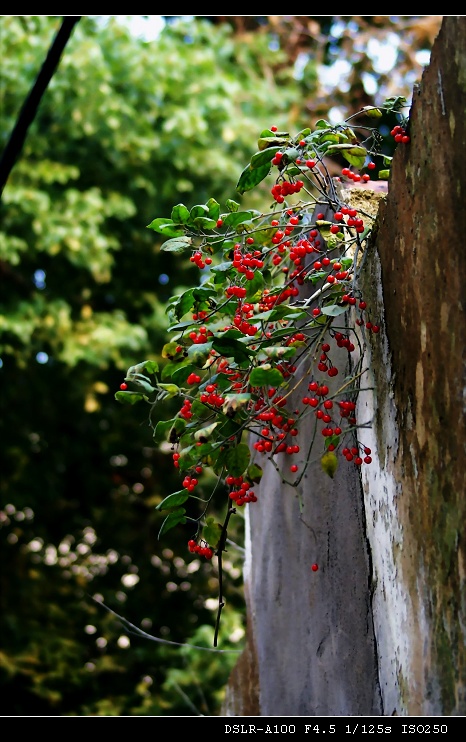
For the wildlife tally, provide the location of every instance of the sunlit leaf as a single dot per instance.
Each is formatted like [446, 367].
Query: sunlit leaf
[177, 244]
[214, 209]
[171, 390]
[232, 205]
[263, 376]
[354, 154]
[203, 434]
[166, 227]
[255, 286]
[129, 397]
[329, 463]
[333, 310]
[180, 214]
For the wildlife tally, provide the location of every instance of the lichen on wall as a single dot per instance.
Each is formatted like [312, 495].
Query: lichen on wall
[417, 405]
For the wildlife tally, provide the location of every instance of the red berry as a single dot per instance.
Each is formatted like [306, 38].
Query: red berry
[123, 387]
[315, 567]
[294, 468]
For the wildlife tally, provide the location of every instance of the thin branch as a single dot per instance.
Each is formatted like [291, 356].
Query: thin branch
[31, 104]
[132, 629]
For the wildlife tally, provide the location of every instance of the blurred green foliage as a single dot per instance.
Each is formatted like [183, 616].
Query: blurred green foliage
[126, 129]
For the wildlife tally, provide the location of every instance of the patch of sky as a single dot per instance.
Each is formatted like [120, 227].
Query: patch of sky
[39, 279]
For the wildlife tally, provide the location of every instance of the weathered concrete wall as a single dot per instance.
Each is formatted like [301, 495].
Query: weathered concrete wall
[415, 496]
[380, 628]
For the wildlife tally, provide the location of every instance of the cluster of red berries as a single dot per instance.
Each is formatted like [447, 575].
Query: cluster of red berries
[280, 190]
[189, 482]
[185, 411]
[356, 177]
[353, 454]
[199, 260]
[210, 396]
[241, 491]
[201, 336]
[399, 134]
[196, 548]
[245, 263]
[238, 291]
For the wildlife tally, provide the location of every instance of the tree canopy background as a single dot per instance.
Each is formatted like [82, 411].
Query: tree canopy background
[126, 129]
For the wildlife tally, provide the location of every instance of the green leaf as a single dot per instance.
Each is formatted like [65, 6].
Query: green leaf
[212, 532]
[232, 205]
[129, 397]
[184, 303]
[180, 214]
[151, 367]
[237, 459]
[174, 500]
[177, 244]
[171, 390]
[303, 134]
[179, 375]
[333, 310]
[203, 222]
[170, 351]
[329, 463]
[278, 352]
[254, 473]
[170, 429]
[250, 177]
[372, 112]
[273, 135]
[166, 227]
[264, 157]
[255, 286]
[204, 434]
[394, 103]
[384, 174]
[322, 124]
[198, 210]
[232, 220]
[214, 209]
[265, 376]
[198, 353]
[235, 402]
[172, 520]
[265, 142]
[231, 348]
[354, 154]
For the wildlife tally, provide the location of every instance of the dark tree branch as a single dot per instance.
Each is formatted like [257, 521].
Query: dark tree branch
[31, 104]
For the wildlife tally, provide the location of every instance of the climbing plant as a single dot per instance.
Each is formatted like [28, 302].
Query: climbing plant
[278, 292]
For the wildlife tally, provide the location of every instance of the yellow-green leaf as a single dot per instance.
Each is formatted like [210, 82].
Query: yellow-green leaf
[329, 463]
